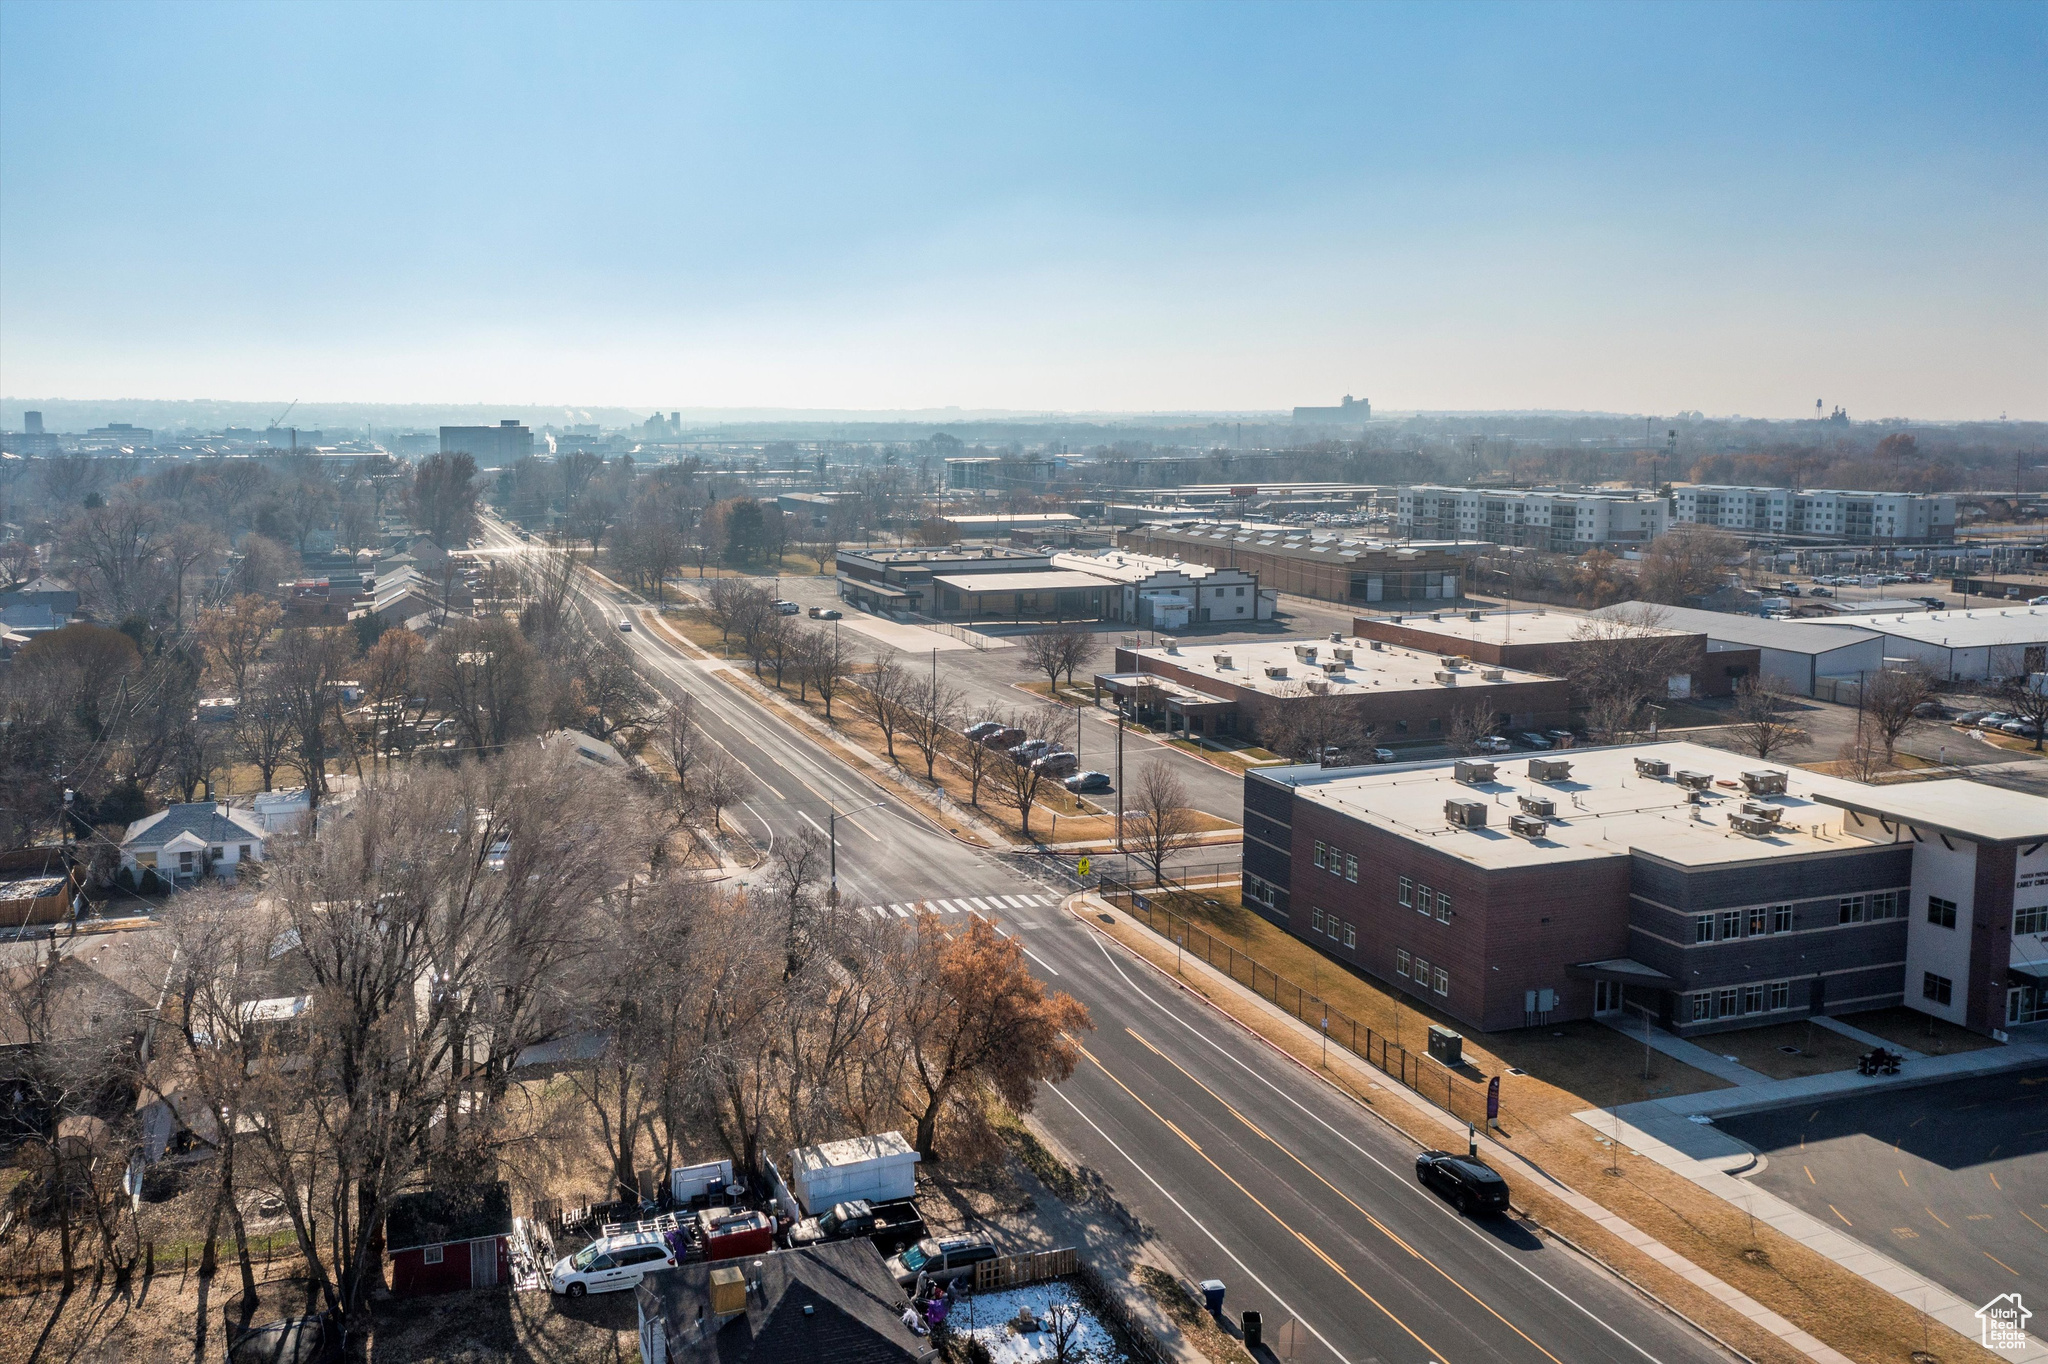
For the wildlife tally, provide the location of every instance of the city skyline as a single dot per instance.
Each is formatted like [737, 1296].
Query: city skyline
[1052, 209]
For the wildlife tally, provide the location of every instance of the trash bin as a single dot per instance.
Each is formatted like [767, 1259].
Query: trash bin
[1212, 1296]
[1254, 1329]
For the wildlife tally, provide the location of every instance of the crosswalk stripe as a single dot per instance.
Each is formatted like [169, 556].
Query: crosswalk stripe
[949, 906]
[901, 912]
[1018, 901]
[982, 902]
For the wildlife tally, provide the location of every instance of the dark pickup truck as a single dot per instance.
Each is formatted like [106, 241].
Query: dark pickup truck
[891, 1226]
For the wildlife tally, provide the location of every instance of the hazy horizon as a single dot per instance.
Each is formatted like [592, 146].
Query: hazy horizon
[1032, 209]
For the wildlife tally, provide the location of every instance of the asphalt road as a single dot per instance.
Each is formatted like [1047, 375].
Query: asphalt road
[1246, 1166]
[1950, 1180]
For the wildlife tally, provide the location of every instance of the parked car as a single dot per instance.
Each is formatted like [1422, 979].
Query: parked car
[981, 729]
[1492, 743]
[940, 1261]
[1931, 710]
[1002, 736]
[1993, 719]
[787, 608]
[1788, 589]
[1087, 781]
[892, 1226]
[1383, 755]
[1474, 1186]
[1822, 592]
[1529, 738]
[2025, 729]
[2037, 601]
[1031, 750]
[1562, 737]
[1969, 717]
[1056, 763]
[611, 1263]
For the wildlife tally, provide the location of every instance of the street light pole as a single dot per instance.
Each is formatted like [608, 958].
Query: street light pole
[832, 838]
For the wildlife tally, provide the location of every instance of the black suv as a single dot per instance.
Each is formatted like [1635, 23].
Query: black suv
[1467, 1181]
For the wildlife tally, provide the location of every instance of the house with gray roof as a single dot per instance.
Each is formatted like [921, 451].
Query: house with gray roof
[182, 843]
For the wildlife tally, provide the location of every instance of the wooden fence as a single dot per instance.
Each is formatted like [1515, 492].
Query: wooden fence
[1014, 1271]
[1460, 1096]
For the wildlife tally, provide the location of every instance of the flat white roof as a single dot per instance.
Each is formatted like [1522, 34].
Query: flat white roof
[1028, 580]
[1972, 629]
[1969, 809]
[1510, 627]
[1389, 667]
[1606, 810]
[1792, 636]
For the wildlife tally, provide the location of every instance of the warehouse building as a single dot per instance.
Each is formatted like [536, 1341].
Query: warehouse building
[1708, 889]
[1964, 646]
[1796, 653]
[1170, 594]
[892, 580]
[1550, 641]
[1241, 688]
[1326, 565]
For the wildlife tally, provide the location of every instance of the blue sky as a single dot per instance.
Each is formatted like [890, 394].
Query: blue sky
[1736, 208]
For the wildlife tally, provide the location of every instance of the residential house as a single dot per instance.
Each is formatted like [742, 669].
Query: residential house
[182, 843]
[835, 1301]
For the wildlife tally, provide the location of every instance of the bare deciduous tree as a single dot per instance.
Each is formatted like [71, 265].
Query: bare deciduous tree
[881, 697]
[1892, 699]
[1764, 724]
[930, 709]
[718, 781]
[1469, 724]
[1159, 824]
[1621, 661]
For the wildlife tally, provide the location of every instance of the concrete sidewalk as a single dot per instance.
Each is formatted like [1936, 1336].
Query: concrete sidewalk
[1678, 1133]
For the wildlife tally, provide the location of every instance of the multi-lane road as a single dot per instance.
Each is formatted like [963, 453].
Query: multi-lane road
[1248, 1168]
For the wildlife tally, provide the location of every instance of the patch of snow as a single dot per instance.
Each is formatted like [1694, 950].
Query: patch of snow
[989, 1314]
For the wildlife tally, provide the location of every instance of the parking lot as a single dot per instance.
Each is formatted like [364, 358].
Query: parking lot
[1950, 1180]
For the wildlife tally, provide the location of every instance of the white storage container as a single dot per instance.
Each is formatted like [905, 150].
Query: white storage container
[692, 1181]
[880, 1169]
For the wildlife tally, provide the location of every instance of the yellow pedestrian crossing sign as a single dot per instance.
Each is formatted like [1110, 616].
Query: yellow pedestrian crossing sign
[1083, 865]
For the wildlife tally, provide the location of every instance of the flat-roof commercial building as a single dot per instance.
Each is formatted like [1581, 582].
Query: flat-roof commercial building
[493, 447]
[1548, 641]
[1242, 688]
[1559, 520]
[1713, 890]
[1965, 646]
[1817, 513]
[995, 525]
[1796, 653]
[901, 579]
[1171, 594]
[1327, 565]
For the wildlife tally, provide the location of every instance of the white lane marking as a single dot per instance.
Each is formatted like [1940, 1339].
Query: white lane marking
[901, 912]
[812, 822]
[1016, 902]
[1416, 1189]
[769, 850]
[983, 904]
[949, 907]
[1050, 968]
[1200, 1226]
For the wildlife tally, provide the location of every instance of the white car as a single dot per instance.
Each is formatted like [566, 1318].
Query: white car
[1492, 743]
[626, 626]
[611, 1263]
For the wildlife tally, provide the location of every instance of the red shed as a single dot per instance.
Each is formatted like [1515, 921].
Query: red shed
[444, 1240]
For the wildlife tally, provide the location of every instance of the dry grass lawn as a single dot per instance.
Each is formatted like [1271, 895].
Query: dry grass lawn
[1569, 1069]
[1904, 1027]
[1817, 1050]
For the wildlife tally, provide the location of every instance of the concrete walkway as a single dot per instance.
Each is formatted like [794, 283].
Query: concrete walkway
[1678, 1133]
[1693, 1054]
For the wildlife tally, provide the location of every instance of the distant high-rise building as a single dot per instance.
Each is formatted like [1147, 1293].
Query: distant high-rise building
[32, 423]
[1353, 410]
[119, 434]
[493, 447]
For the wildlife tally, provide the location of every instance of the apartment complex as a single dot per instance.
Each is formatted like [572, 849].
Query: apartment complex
[1562, 521]
[1327, 565]
[1817, 513]
[1712, 890]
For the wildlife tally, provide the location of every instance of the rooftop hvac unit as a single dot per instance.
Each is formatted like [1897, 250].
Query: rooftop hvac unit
[1437, 616]
[1375, 644]
[1334, 665]
[1528, 826]
[1541, 806]
[1448, 678]
[1335, 637]
[1172, 645]
[1305, 652]
[1764, 782]
[1276, 671]
[1757, 809]
[1344, 653]
[1466, 814]
[1693, 781]
[1472, 770]
[1222, 660]
[1393, 620]
[1652, 767]
[1472, 615]
[1492, 675]
[1550, 769]
[1447, 660]
[1755, 828]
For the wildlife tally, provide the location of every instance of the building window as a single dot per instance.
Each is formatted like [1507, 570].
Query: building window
[1752, 999]
[1443, 981]
[1436, 726]
[1703, 928]
[1937, 988]
[1322, 855]
[184, 861]
[243, 852]
[2033, 920]
[1731, 923]
[1781, 918]
[217, 853]
[1886, 905]
[1401, 961]
[1443, 907]
[1350, 868]
[1422, 973]
[431, 1255]
[1852, 909]
[1350, 937]
[1319, 921]
[1941, 913]
[1724, 1004]
[1425, 900]
[1781, 994]
[1400, 726]
[1407, 891]
[1759, 922]
[1703, 1006]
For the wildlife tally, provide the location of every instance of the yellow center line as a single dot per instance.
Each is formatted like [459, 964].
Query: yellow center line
[2001, 1264]
[1809, 1176]
[1312, 1246]
[2023, 1212]
[1994, 1180]
[1902, 1179]
[1838, 1212]
[1229, 1108]
[1937, 1217]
